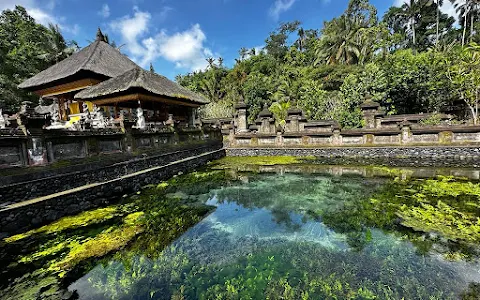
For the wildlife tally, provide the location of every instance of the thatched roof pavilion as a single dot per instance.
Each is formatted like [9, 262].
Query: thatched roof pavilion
[140, 85]
[101, 75]
[95, 63]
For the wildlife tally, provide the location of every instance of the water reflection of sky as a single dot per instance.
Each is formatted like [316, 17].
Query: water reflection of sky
[262, 223]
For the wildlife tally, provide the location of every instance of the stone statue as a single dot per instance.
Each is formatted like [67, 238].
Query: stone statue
[55, 116]
[98, 120]
[140, 119]
[3, 122]
[85, 110]
[170, 121]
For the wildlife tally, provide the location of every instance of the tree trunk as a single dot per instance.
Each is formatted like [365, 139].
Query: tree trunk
[438, 21]
[464, 27]
[412, 22]
[472, 17]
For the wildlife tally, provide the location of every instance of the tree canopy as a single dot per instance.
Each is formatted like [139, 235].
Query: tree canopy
[26, 48]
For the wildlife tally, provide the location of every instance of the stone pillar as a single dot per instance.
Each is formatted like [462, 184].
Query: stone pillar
[294, 116]
[336, 137]
[265, 121]
[370, 109]
[406, 133]
[192, 113]
[279, 140]
[240, 121]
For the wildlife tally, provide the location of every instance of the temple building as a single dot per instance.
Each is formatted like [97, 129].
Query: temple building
[99, 75]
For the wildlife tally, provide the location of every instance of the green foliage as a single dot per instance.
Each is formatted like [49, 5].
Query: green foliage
[416, 22]
[432, 120]
[26, 48]
[464, 74]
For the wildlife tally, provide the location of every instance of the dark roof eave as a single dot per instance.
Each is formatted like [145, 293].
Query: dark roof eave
[134, 97]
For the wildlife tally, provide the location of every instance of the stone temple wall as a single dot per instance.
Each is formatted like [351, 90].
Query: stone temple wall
[53, 146]
[19, 218]
[438, 156]
[26, 188]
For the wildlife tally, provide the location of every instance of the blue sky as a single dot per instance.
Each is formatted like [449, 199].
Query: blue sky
[177, 35]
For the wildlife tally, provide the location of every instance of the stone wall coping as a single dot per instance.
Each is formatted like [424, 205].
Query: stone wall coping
[308, 133]
[13, 137]
[358, 147]
[452, 128]
[359, 132]
[93, 133]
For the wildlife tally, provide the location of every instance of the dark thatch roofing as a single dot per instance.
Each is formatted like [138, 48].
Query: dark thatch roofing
[138, 78]
[98, 57]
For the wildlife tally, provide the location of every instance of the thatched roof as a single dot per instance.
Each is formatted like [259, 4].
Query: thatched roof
[139, 79]
[99, 57]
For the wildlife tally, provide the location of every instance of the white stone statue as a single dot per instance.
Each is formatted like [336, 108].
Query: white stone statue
[86, 112]
[98, 120]
[55, 115]
[3, 122]
[140, 120]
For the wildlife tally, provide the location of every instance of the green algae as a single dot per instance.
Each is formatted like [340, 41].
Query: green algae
[81, 220]
[443, 219]
[77, 249]
[235, 162]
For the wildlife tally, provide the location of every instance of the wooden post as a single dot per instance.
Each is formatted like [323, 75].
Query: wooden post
[61, 108]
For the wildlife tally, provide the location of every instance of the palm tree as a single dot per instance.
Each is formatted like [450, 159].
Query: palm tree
[59, 48]
[439, 3]
[243, 53]
[301, 38]
[211, 62]
[339, 42]
[220, 61]
[467, 8]
[411, 10]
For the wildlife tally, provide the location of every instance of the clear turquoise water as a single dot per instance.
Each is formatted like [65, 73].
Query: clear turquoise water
[287, 236]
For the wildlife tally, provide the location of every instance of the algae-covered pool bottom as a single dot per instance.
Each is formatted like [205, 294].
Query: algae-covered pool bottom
[225, 234]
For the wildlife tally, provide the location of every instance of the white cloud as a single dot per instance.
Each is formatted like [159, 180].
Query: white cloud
[132, 28]
[185, 49]
[258, 50]
[41, 11]
[105, 11]
[279, 7]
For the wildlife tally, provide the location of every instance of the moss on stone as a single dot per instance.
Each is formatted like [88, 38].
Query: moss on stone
[234, 161]
[81, 220]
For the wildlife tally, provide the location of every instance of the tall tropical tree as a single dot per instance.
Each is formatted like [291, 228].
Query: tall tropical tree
[467, 9]
[439, 4]
[342, 38]
[243, 53]
[211, 62]
[59, 49]
[301, 39]
[421, 23]
[26, 48]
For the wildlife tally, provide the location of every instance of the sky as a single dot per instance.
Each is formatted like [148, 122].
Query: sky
[177, 36]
